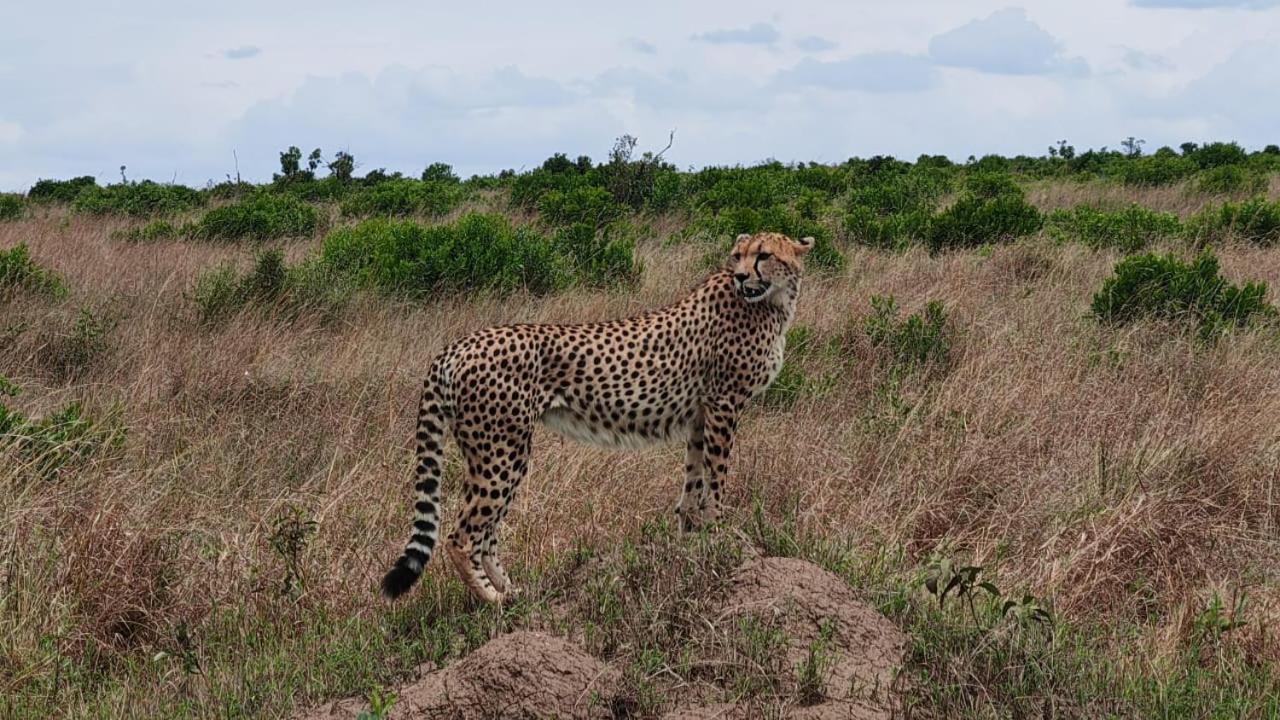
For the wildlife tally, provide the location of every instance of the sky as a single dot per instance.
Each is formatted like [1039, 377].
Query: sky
[191, 92]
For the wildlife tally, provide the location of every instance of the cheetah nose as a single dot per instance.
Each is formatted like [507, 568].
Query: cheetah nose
[741, 276]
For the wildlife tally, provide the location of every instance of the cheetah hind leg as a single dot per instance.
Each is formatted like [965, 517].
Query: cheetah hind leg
[467, 563]
[493, 568]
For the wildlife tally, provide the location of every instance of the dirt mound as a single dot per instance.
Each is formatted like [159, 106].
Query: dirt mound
[853, 650]
[519, 675]
[836, 659]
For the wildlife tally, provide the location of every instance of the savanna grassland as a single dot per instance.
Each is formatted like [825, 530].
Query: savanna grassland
[1049, 387]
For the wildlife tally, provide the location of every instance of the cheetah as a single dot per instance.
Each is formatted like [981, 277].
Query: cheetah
[681, 372]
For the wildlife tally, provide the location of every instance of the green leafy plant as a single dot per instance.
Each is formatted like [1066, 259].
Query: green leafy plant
[88, 338]
[1217, 619]
[19, 272]
[12, 207]
[992, 208]
[1230, 180]
[403, 197]
[380, 704]
[581, 205]
[1128, 230]
[483, 252]
[1164, 287]
[1026, 610]
[598, 256]
[919, 340]
[151, 232]
[291, 532]
[65, 191]
[141, 199]
[261, 216]
[1256, 221]
[56, 441]
[944, 577]
[223, 291]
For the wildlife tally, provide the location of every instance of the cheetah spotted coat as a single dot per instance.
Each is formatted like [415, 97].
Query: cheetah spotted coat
[682, 372]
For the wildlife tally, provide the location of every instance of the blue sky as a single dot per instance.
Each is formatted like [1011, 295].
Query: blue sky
[173, 91]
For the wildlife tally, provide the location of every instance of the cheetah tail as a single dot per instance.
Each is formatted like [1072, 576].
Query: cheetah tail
[426, 506]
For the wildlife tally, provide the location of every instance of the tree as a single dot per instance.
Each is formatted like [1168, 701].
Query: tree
[291, 162]
[343, 166]
[439, 172]
[1132, 146]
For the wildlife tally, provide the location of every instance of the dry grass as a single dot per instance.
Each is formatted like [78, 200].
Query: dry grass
[1126, 475]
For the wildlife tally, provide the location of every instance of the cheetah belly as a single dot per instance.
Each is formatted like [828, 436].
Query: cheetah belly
[566, 421]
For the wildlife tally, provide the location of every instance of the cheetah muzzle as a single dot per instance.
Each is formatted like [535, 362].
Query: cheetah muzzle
[682, 372]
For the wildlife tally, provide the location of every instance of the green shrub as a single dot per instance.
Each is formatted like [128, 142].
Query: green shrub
[886, 231]
[60, 190]
[477, 252]
[917, 341]
[528, 189]
[19, 272]
[1256, 220]
[261, 216]
[893, 211]
[52, 442]
[1219, 154]
[992, 208]
[151, 232]
[440, 172]
[1129, 230]
[12, 207]
[141, 199]
[581, 205]
[1152, 170]
[72, 351]
[217, 294]
[597, 256]
[269, 282]
[1163, 287]
[401, 197]
[792, 382]
[1230, 180]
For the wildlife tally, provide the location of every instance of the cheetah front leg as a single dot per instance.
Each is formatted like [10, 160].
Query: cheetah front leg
[688, 515]
[720, 424]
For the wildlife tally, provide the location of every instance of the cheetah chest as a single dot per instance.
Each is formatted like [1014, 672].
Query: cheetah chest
[772, 365]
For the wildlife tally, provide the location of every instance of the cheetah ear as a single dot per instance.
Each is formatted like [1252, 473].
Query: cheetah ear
[741, 237]
[803, 245]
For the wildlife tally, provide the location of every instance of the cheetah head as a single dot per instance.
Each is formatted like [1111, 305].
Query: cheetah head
[765, 263]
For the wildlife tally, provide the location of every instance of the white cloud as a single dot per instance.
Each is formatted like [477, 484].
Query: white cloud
[1004, 42]
[401, 84]
[10, 132]
[756, 34]
[1207, 4]
[872, 72]
[814, 43]
[643, 47]
[244, 52]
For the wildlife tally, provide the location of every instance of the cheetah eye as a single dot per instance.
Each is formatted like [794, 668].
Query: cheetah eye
[736, 257]
[763, 256]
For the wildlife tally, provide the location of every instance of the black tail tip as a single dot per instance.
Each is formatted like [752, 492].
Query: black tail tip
[398, 581]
